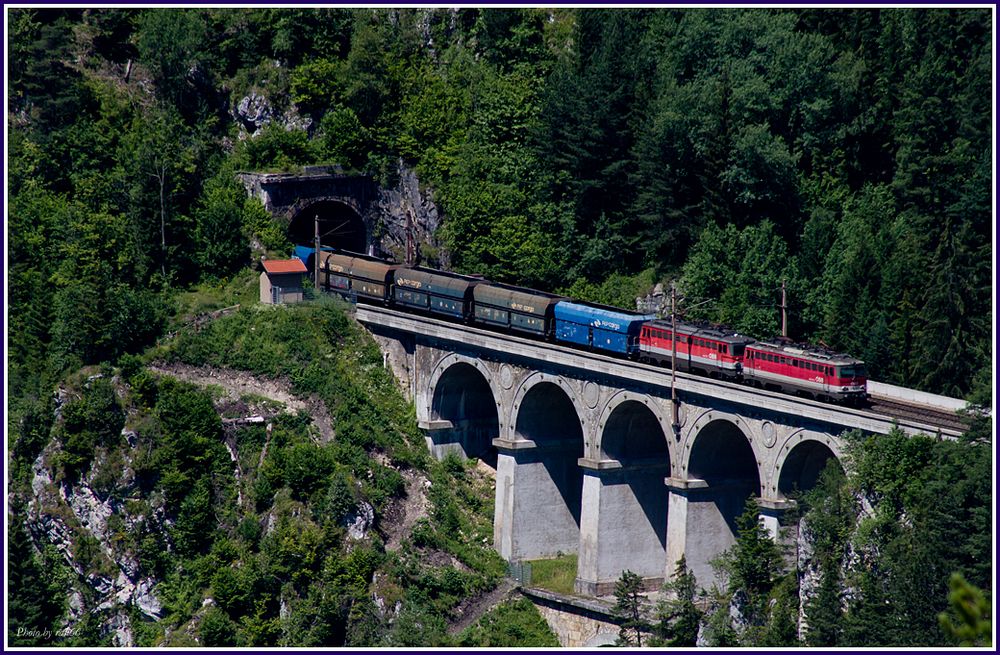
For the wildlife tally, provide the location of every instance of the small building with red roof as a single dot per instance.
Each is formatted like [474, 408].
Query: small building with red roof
[282, 280]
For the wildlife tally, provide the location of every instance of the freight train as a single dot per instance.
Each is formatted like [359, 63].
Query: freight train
[701, 348]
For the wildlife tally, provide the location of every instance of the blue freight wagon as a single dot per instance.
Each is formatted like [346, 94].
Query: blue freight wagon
[305, 253]
[601, 328]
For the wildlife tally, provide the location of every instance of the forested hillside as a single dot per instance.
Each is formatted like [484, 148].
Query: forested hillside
[846, 153]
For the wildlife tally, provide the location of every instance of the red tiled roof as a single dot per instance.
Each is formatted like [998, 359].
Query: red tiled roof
[284, 266]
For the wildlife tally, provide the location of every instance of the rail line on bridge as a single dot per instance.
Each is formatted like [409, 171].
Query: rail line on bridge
[878, 417]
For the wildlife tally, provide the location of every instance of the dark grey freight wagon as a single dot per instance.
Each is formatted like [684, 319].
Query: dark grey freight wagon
[437, 292]
[515, 308]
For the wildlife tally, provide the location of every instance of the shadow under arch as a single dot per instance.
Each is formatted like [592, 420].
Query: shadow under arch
[802, 467]
[722, 456]
[546, 415]
[722, 474]
[463, 397]
[625, 501]
[634, 437]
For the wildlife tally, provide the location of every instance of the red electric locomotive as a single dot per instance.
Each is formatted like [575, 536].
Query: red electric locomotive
[710, 350]
[805, 370]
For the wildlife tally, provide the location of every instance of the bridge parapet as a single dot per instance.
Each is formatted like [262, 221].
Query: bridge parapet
[893, 392]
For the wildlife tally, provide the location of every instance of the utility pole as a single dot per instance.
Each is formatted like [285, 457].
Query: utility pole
[673, 360]
[410, 250]
[784, 311]
[316, 254]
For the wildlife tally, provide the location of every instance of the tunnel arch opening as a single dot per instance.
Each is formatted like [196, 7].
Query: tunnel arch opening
[463, 397]
[340, 226]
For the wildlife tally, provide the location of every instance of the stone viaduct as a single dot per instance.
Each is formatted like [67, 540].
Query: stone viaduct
[586, 457]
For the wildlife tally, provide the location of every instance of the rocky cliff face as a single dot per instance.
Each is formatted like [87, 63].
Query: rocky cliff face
[83, 520]
[809, 571]
[97, 522]
[407, 207]
[255, 111]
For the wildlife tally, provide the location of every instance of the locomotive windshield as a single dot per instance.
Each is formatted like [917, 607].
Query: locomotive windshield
[857, 371]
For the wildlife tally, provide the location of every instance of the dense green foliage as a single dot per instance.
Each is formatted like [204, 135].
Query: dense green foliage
[846, 153]
[932, 517]
[39, 581]
[971, 624]
[758, 589]
[629, 611]
[678, 618]
[273, 532]
[900, 555]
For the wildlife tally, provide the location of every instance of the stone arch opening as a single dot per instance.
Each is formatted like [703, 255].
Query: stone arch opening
[721, 453]
[552, 479]
[464, 400]
[722, 475]
[630, 499]
[633, 434]
[340, 226]
[802, 467]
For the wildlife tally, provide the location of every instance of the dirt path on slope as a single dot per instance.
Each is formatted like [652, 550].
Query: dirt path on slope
[240, 383]
[472, 609]
[403, 513]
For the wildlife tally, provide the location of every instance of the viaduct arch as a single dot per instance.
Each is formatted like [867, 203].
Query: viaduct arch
[625, 502]
[587, 460]
[539, 484]
[721, 474]
[463, 411]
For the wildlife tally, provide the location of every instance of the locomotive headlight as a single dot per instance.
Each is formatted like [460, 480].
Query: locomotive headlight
[845, 388]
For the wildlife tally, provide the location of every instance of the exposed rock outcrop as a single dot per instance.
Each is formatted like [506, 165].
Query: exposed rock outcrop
[406, 207]
[255, 111]
[63, 515]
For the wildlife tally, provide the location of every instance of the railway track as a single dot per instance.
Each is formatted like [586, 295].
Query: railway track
[942, 418]
[927, 419]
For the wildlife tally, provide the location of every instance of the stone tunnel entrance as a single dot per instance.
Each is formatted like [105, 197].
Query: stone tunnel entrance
[546, 502]
[339, 226]
[625, 502]
[722, 475]
[465, 414]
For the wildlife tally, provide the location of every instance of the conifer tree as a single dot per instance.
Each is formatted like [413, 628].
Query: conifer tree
[629, 609]
[756, 562]
[679, 618]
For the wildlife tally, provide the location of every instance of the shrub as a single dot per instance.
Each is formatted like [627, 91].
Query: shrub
[217, 629]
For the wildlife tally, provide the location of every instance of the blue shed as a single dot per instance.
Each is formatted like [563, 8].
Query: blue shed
[603, 328]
